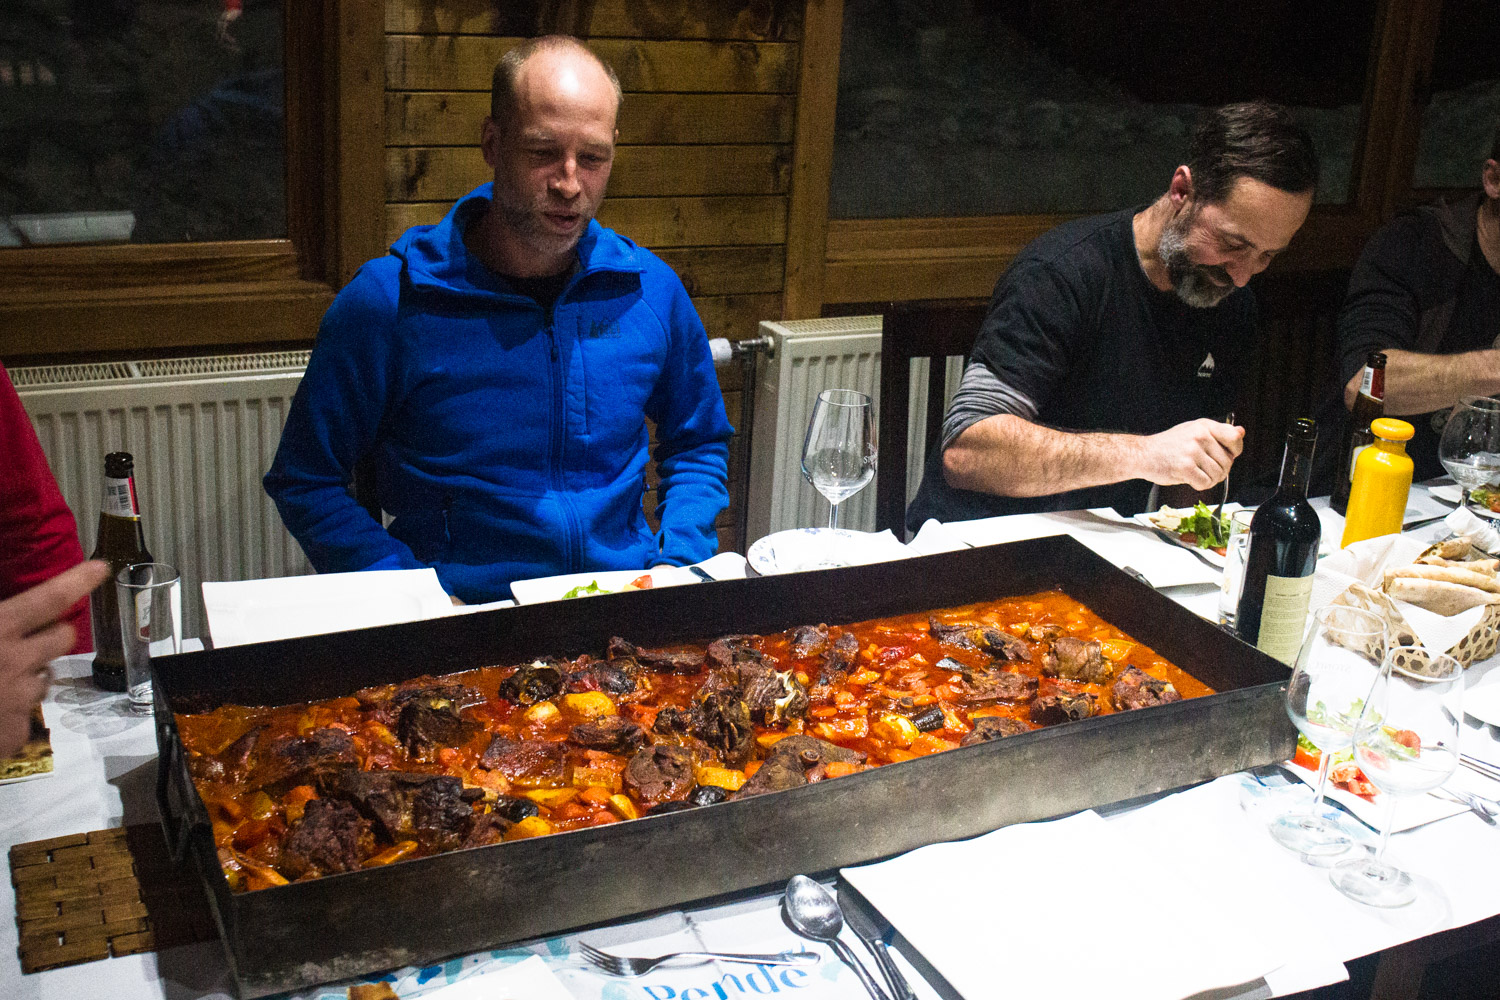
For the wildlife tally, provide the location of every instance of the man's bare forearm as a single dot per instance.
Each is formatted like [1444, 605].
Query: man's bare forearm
[1420, 383]
[1009, 456]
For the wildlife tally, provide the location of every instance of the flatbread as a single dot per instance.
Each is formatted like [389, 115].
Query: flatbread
[1491, 566]
[35, 756]
[1450, 548]
[1450, 573]
[1439, 596]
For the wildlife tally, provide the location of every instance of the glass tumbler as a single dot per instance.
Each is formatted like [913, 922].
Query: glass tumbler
[150, 624]
[1234, 565]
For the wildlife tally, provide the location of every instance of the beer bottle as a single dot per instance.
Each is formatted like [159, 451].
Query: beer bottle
[121, 542]
[1369, 405]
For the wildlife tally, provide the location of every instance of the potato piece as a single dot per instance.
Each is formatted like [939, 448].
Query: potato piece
[622, 807]
[541, 713]
[596, 777]
[723, 777]
[396, 853]
[531, 826]
[551, 797]
[894, 729]
[589, 704]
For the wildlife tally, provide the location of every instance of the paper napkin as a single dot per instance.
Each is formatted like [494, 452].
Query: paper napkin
[1365, 562]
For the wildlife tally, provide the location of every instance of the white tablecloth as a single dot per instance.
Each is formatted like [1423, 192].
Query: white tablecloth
[105, 770]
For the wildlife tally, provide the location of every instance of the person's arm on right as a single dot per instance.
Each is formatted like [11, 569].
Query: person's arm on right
[332, 423]
[1397, 278]
[1011, 456]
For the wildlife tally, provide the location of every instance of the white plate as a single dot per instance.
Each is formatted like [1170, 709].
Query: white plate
[1482, 511]
[1450, 493]
[552, 588]
[1411, 812]
[1483, 703]
[1171, 536]
[797, 550]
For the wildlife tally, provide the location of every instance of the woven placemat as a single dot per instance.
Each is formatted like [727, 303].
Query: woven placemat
[89, 896]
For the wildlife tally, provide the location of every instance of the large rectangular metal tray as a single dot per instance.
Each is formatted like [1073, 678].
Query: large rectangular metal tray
[415, 911]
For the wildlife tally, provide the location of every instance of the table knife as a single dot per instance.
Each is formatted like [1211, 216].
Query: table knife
[857, 916]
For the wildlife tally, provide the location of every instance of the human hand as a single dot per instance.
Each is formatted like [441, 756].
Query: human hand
[31, 636]
[1197, 453]
[456, 602]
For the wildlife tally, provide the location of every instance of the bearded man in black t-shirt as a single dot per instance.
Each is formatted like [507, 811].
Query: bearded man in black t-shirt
[1426, 291]
[1114, 344]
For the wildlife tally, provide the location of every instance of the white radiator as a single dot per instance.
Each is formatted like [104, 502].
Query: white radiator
[809, 356]
[203, 431]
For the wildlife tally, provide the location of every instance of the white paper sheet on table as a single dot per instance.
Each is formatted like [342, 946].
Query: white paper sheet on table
[280, 608]
[529, 979]
[954, 921]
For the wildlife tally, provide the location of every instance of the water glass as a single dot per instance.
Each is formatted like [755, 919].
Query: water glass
[1470, 444]
[1406, 743]
[150, 624]
[1234, 565]
[1331, 680]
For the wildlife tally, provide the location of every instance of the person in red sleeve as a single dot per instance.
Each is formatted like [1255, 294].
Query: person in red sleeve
[38, 536]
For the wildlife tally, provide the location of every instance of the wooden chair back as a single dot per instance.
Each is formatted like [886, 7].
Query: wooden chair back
[936, 329]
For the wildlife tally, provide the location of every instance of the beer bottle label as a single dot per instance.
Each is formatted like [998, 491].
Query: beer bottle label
[120, 499]
[1283, 616]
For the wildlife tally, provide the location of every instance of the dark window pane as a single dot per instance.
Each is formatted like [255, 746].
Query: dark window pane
[1460, 121]
[150, 120]
[1016, 106]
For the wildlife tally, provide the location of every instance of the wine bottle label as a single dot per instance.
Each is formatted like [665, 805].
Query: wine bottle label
[1283, 616]
[119, 498]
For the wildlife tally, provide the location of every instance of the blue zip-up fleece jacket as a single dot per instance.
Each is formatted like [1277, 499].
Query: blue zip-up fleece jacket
[510, 442]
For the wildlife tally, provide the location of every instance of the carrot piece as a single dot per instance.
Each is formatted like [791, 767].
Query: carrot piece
[595, 796]
[839, 768]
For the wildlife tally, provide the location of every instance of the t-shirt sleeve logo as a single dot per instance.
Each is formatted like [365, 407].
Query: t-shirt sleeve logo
[1206, 369]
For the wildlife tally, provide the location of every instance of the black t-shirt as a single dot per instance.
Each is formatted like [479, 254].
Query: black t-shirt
[1076, 327]
[544, 290]
[1406, 270]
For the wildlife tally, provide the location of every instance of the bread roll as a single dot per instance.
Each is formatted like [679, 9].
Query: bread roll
[1451, 573]
[1490, 566]
[1439, 596]
[1450, 548]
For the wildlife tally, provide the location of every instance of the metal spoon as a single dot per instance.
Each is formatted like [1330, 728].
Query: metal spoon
[813, 913]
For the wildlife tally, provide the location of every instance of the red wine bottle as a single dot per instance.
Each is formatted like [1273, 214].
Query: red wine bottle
[1284, 537]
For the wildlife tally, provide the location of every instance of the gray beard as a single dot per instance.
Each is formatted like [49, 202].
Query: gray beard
[523, 221]
[1191, 282]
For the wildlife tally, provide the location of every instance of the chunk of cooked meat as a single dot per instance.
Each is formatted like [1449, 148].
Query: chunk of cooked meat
[983, 638]
[1077, 659]
[423, 729]
[302, 760]
[1050, 709]
[808, 640]
[841, 654]
[774, 696]
[331, 837]
[530, 763]
[660, 772]
[722, 720]
[793, 761]
[730, 651]
[612, 733]
[661, 661]
[993, 728]
[439, 695]
[228, 765]
[1138, 689]
[598, 675]
[986, 686]
[672, 721]
[1042, 633]
[532, 682]
[431, 809]
[486, 828]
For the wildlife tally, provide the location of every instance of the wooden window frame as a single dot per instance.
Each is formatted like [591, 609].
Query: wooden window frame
[876, 260]
[107, 300]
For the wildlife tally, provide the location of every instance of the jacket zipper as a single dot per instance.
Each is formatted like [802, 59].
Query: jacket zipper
[574, 540]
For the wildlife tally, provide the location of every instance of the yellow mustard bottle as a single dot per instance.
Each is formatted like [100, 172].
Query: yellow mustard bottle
[1382, 479]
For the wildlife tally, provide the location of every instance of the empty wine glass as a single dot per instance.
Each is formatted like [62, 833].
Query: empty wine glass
[1406, 742]
[1336, 666]
[1470, 446]
[838, 457]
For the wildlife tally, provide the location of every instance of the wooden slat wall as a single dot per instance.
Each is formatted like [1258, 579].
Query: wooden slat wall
[703, 171]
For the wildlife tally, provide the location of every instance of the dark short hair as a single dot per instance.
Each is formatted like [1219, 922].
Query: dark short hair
[503, 81]
[1251, 139]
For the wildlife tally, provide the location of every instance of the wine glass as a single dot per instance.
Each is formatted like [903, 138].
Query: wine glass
[1470, 446]
[1406, 742]
[1335, 668]
[838, 457]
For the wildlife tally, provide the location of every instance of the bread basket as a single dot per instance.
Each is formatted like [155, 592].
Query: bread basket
[1478, 644]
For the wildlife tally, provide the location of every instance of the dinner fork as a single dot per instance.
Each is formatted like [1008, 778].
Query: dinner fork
[622, 965]
[1219, 510]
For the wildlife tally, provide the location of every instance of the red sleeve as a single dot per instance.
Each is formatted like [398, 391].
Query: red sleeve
[38, 536]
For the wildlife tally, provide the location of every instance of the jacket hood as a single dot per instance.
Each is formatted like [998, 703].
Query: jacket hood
[435, 258]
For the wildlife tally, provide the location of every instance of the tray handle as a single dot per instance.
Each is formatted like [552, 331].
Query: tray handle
[174, 827]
